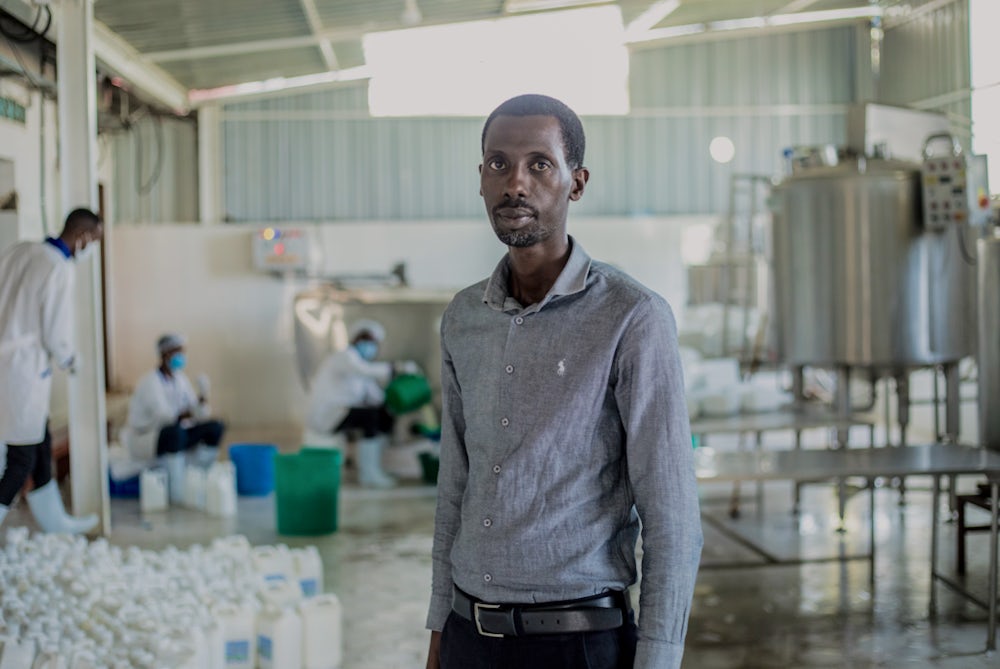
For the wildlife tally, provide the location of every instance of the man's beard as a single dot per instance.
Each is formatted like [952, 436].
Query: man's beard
[523, 238]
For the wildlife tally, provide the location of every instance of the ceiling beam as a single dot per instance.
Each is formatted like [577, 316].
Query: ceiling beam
[653, 15]
[795, 6]
[316, 27]
[122, 59]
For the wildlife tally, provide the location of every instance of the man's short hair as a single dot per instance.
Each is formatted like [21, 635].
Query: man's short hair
[81, 219]
[533, 104]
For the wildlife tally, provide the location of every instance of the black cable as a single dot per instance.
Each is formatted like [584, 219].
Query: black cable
[145, 189]
[26, 35]
[48, 23]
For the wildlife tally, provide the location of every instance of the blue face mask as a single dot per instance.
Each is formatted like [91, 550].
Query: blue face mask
[177, 361]
[367, 349]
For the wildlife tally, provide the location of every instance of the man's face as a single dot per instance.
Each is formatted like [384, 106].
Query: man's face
[525, 180]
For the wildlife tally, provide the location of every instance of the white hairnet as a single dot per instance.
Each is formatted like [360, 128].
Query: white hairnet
[169, 342]
[374, 328]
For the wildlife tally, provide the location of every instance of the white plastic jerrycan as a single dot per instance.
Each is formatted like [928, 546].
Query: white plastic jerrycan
[322, 639]
[279, 639]
[309, 570]
[239, 635]
[220, 489]
[16, 654]
[153, 490]
[195, 482]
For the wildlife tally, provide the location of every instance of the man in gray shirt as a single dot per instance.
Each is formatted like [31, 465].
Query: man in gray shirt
[564, 424]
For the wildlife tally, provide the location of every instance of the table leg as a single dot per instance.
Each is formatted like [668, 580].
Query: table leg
[798, 486]
[871, 538]
[841, 503]
[991, 639]
[935, 501]
[758, 447]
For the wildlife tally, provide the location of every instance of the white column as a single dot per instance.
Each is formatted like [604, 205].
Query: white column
[210, 181]
[78, 181]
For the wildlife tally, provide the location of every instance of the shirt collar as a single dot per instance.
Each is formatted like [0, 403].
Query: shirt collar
[61, 245]
[572, 279]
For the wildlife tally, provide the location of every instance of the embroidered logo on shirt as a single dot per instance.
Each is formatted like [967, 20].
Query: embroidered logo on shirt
[561, 370]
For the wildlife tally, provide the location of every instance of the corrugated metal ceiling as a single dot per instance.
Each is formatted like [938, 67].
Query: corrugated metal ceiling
[206, 44]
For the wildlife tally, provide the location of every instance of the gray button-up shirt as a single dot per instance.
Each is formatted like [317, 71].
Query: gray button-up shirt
[564, 423]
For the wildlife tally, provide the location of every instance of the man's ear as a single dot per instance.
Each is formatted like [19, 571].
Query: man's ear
[580, 177]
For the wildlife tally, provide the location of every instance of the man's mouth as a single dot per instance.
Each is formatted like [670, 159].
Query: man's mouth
[514, 213]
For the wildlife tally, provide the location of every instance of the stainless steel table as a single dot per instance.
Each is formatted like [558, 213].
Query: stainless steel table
[789, 419]
[934, 460]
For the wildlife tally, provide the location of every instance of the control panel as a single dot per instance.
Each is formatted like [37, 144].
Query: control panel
[945, 190]
[955, 186]
[277, 249]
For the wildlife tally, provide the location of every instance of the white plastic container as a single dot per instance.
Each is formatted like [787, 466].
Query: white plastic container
[322, 637]
[214, 655]
[195, 482]
[50, 658]
[239, 635]
[220, 489]
[279, 639]
[273, 563]
[153, 490]
[281, 594]
[16, 654]
[308, 570]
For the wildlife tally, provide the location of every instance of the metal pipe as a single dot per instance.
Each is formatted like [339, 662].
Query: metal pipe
[843, 403]
[952, 406]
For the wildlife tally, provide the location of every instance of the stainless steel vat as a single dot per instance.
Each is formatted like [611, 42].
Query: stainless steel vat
[989, 342]
[857, 280]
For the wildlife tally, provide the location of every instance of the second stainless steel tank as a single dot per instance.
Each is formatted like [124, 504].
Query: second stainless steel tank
[989, 342]
[857, 280]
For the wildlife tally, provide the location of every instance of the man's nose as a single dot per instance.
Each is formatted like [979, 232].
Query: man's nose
[517, 182]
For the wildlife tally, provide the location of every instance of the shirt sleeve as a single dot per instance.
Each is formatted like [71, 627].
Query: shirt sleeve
[149, 408]
[650, 395]
[57, 315]
[452, 477]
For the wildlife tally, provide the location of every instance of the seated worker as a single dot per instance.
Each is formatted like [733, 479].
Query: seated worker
[165, 416]
[348, 393]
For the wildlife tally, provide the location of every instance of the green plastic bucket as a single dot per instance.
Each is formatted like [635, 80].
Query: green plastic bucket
[406, 393]
[307, 487]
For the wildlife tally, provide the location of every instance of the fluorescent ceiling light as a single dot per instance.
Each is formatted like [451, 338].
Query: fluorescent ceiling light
[653, 15]
[516, 6]
[204, 95]
[467, 69]
[756, 23]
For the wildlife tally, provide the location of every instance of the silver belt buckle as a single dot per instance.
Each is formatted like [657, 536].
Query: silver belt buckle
[479, 626]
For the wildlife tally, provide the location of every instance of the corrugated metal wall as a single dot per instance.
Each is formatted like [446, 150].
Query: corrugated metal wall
[925, 62]
[155, 171]
[319, 157]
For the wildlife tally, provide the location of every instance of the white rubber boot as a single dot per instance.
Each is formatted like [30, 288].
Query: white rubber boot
[370, 473]
[3, 512]
[175, 464]
[47, 507]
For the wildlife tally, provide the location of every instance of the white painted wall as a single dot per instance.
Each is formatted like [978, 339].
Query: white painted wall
[199, 280]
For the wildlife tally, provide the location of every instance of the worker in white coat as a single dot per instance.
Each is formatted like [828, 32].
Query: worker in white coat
[36, 332]
[166, 418]
[348, 394]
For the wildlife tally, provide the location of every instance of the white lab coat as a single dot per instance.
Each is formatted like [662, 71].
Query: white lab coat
[345, 380]
[156, 403]
[36, 318]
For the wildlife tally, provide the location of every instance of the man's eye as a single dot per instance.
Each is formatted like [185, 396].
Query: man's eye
[496, 164]
[540, 165]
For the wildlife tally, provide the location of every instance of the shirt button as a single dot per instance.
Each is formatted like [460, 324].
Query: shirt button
[496, 469]
[487, 577]
[519, 320]
[510, 369]
[487, 522]
[505, 422]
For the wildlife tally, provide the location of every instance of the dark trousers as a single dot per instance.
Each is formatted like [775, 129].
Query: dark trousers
[371, 421]
[462, 647]
[177, 439]
[24, 460]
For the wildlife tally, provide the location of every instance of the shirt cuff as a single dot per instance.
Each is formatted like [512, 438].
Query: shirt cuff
[658, 655]
[439, 611]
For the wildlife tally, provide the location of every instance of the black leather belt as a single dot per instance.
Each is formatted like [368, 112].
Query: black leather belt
[604, 612]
